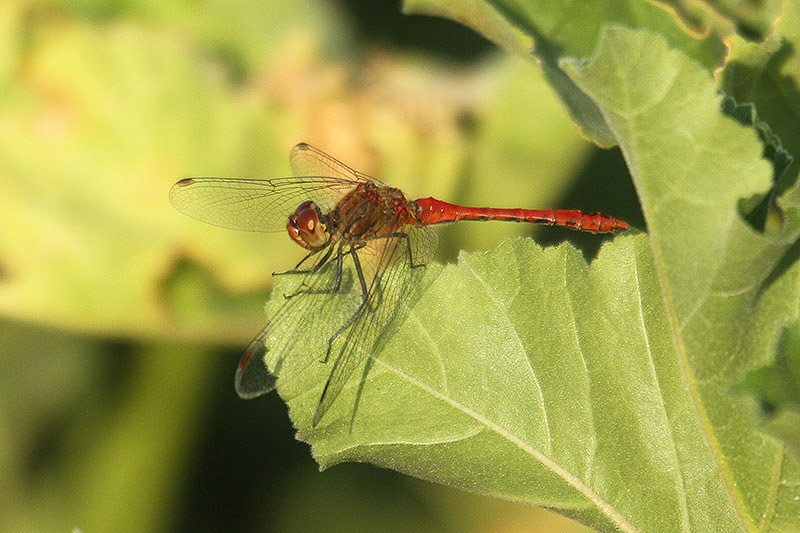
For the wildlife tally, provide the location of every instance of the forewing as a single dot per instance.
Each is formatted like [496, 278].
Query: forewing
[306, 160]
[295, 337]
[251, 204]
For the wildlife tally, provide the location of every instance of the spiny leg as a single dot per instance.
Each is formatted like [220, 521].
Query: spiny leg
[364, 294]
[319, 264]
[343, 364]
[362, 281]
[336, 285]
[407, 238]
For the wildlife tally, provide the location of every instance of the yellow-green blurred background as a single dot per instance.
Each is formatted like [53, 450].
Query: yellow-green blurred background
[121, 320]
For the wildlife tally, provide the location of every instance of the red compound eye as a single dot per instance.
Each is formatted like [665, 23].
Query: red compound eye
[307, 218]
[304, 227]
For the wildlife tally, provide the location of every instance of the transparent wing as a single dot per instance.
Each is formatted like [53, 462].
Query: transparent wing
[423, 241]
[395, 273]
[255, 204]
[252, 377]
[295, 335]
[306, 160]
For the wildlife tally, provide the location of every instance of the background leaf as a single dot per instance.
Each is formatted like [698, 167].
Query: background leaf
[765, 74]
[552, 30]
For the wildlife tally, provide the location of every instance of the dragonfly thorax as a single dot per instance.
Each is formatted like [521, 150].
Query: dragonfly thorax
[306, 227]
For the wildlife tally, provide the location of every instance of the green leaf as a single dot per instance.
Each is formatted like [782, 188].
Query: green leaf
[603, 391]
[551, 30]
[766, 74]
[720, 281]
[759, 208]
[777, 389]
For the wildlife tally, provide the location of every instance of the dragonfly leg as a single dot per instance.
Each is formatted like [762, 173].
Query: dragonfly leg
[337, 283]
[362, 281]
[407, 239]
[319, 264]
[364, 294]
[411, 262]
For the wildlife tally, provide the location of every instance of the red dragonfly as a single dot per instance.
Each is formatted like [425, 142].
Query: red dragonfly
[340, 215]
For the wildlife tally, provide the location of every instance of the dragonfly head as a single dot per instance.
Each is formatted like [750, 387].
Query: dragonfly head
[306, 227]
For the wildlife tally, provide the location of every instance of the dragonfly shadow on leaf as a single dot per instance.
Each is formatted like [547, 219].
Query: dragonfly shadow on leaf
[423, 280]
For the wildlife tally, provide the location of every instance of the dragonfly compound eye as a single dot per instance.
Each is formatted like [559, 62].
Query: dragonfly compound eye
[305, 228]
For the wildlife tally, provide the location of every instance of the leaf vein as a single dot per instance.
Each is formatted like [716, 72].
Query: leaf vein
[573, 481]
[435, 348]
[686, 525]
[592, 449]
[490, 293]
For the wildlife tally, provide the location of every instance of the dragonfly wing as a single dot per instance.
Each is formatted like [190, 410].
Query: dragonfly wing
[252, 376]
[393, 279]
[306, 160]
[294, 338]
[423, 241]
[251, 204]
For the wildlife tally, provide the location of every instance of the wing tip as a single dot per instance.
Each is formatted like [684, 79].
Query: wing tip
[175, 191]
[185, 182]
[253, 378]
